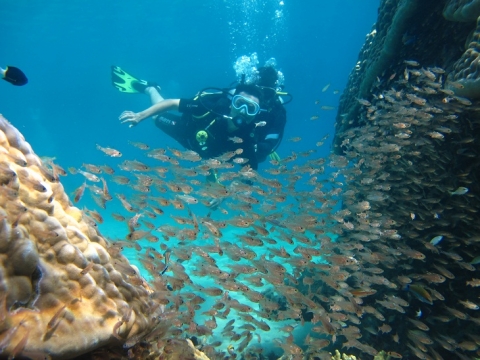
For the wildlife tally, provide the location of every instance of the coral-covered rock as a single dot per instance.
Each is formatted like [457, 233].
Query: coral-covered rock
[182, 350]
[62, 293]
[409, 32]
[464, 79]
[339, 356]
[462, 10]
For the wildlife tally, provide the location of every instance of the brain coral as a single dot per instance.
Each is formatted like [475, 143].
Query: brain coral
[62, 293]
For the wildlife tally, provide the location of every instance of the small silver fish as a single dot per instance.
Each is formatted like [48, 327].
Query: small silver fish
[435, 135]
[460, 191]
[436, 240]
[411, 62]
[109, 151]
[236, 139]
[261, 123]
[364, 102]
[89, 176]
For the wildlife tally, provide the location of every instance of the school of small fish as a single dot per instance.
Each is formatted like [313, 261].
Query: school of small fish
[371, 250]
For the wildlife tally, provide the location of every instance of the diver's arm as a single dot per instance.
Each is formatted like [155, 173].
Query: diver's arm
[158, 108]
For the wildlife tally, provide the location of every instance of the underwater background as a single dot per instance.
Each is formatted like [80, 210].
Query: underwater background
[364, 238]
[66, 50]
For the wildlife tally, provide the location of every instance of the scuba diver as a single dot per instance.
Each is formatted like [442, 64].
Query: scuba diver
[275, 115]
[215, 121]
[14, 76]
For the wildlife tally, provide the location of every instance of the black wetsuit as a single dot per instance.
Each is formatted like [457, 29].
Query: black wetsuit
[207, 113]
[270, 135]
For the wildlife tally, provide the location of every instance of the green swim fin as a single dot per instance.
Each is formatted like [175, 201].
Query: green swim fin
[126, 83]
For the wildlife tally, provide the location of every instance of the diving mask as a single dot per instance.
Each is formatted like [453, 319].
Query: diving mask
[250, 106]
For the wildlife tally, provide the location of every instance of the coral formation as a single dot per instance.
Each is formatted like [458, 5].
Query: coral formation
[339, 356]
[405, 30]
[462, 10]
[391, 42]
[62, 293]
[414, 138]
[464, 80]
[417, 167]
[381, 47]
[182, 350]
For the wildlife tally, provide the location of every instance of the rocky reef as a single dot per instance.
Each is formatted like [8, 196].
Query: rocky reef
[433, 33]
[64, 291]
[409, 123]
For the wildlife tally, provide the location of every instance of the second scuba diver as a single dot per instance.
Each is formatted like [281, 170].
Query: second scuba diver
[215, 121]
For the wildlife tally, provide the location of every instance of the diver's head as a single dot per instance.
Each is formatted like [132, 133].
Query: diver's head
[245, 104]
[267, 76]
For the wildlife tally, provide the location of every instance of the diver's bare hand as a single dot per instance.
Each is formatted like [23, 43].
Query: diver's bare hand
[129, 117]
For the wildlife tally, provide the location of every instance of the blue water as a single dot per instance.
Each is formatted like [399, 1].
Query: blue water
[66, 49]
